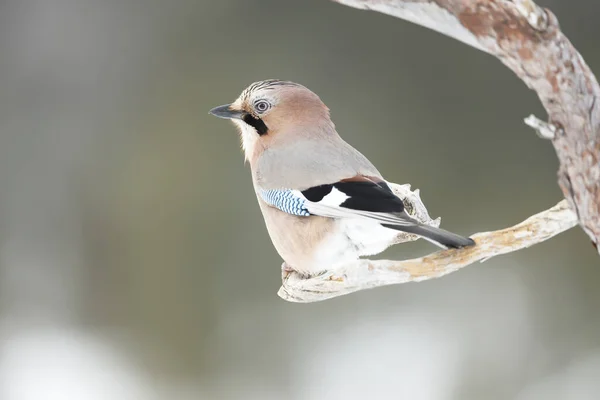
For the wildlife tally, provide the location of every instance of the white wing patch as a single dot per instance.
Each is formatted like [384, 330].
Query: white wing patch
[334, 198]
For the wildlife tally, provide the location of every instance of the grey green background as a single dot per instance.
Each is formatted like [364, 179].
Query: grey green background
[134, 263]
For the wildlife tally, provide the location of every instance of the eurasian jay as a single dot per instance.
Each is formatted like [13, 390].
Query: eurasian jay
[323, 202]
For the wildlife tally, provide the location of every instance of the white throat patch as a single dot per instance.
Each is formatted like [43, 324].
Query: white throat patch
[249, 137]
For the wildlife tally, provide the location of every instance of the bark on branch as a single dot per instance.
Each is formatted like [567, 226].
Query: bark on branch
[528, 40]
[366, 274]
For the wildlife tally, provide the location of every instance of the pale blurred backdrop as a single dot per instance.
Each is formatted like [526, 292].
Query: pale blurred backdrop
[134, 263]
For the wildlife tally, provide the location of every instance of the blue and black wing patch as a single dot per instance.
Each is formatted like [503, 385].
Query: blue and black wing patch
[285, 200]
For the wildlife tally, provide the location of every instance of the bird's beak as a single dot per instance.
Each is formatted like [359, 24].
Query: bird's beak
[226, 112]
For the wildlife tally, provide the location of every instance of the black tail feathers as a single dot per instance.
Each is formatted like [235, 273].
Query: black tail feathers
[437, 236]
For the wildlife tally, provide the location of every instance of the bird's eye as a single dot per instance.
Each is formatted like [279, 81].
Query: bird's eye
[261, 106]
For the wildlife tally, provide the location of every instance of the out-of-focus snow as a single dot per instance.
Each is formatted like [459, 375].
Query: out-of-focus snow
[62, 364]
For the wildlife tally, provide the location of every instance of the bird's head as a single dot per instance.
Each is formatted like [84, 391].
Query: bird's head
[271, 112]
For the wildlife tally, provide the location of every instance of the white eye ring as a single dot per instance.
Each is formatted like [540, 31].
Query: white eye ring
[261, 106]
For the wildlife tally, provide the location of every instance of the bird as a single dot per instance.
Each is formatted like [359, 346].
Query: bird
[324, 203]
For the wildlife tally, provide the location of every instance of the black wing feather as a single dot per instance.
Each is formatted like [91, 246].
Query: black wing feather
[316, 193]
[362, 195]
[367, 196]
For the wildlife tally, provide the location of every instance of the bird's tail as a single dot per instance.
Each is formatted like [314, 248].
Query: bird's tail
[437, 236]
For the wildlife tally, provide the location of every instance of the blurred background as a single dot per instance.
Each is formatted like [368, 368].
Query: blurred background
[134, 263]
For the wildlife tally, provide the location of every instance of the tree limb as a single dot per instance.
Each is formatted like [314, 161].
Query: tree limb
[528, 40]
[367, 274]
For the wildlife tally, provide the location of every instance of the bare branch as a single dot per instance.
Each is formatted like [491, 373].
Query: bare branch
[528, 40]
[367, 274]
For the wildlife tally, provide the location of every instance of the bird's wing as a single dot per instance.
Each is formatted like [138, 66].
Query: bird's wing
[357, 197]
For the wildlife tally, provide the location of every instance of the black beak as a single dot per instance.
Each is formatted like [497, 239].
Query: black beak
[226, 112]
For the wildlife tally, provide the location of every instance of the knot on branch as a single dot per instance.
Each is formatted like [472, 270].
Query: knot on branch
[534, 14]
